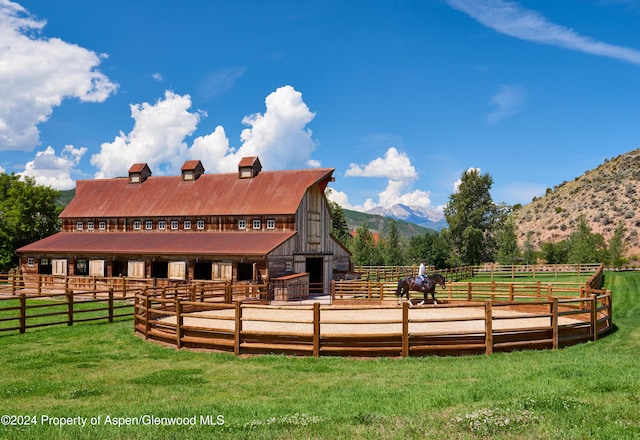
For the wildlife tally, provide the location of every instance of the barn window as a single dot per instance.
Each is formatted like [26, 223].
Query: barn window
[102, 225]
[90, 226]
[137, 225]
[174, 224]
[162, 225]
[79, 226]
[148, 224]
[271, 224]
[187, 224]
[242, 224]
[256, 224]
[82, 267]
[30, 262]
[200, 224]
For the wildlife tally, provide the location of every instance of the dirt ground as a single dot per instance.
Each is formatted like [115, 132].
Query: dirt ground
[335, 320]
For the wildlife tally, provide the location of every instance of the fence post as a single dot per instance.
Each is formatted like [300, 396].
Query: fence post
[23, 312]
[469, 294]
[110, 304]
[147, 306]
[511, 292]
[69, 295]
[554, 323]
[238, 339]
[594, 315]
[405, 329]
[13, 282]
[39, 284]
[179, 323]
[488, 327]
[316, 329]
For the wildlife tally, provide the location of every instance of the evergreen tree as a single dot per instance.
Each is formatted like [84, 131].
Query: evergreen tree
[473, 218]
[339, 227]
[616, 247]
[28, 212]
[584, 246]
[508, 251]
[393, 252]
[528, 250]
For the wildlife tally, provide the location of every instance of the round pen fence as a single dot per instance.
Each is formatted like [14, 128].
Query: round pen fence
[478, 323]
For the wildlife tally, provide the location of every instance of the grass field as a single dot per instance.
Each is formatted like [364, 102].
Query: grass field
[122, 387]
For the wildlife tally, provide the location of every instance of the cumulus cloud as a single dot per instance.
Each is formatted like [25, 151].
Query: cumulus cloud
[37, 74]
[394, 165]
[55, 171]
[507, 102]
[511, 19]
[159, 137]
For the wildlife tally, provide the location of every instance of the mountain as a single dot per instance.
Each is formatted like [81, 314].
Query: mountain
[607, 195]
[425, 217]
[379, 224]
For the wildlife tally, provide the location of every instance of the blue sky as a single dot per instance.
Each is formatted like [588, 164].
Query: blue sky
[400, 97]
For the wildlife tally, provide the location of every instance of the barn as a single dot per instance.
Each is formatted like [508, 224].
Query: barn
[247, 226]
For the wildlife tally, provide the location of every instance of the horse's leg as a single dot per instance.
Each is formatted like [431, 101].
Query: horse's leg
[433, 295]
[424, 297]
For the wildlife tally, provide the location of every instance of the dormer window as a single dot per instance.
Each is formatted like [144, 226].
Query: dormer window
[249, 167]
[191, 170]
[139, 172]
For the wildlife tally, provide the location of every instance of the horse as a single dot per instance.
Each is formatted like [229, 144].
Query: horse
[408, 284]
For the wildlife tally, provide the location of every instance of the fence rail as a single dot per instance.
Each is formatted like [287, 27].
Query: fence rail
[318, 330]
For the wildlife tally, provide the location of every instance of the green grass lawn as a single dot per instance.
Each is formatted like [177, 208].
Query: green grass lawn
[103, 375]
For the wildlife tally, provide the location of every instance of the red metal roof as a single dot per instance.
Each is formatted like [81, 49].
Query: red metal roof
[164, 243]
[269, 193]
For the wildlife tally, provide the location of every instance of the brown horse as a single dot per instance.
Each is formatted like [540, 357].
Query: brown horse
[408, 284]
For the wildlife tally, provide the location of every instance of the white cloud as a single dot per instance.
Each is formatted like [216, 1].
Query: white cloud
[508, 101]
[55, 171]
[279, 137]
[394, 165]
[37, 74]
[220, 81]
[157, 138]
[157, 76]
[512, 19]
[397, 168]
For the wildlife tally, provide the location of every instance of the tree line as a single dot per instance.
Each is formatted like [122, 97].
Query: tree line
[479, 231]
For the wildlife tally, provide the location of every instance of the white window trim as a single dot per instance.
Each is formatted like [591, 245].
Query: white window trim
[256, 224]
[137, 225]
[79, 226]
[242, 224]
[200, 224]
[90, 226]
[186, 224]
[271, 224]
[174, 225]
[162, 225]
[102, 226]
[148, 224]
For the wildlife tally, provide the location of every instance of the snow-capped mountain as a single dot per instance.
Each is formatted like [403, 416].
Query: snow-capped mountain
[425, 217]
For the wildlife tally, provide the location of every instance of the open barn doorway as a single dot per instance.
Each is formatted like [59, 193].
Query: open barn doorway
[314, 266]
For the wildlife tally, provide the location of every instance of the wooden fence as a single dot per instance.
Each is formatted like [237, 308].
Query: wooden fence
[491, 270]
[21, 312]
[457, 328]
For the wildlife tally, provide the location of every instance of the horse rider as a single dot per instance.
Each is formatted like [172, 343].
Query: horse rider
[422, 272]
